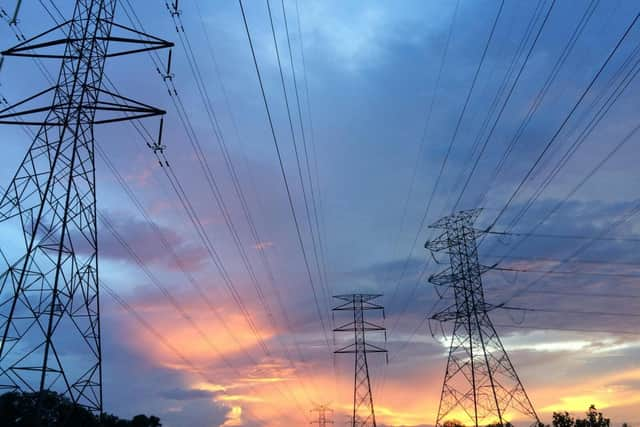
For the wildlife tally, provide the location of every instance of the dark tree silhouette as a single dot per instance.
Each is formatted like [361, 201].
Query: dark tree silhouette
[21, 409]
[563, 419]
[452, 423]
[594, 419]
[507, 424]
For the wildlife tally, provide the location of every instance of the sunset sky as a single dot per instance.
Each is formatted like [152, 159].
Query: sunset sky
[389, 99]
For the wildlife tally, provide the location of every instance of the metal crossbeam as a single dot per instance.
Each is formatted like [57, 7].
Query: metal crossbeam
[363, 410]
[49, 295]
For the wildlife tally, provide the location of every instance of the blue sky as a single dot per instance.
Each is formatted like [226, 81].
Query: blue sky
[382, 122]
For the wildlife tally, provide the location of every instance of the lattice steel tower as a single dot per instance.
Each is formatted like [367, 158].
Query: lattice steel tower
[49, 294]
[480, 384]
[363, 411]
[322, 411]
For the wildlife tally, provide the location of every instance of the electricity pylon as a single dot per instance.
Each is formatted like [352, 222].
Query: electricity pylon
[481, 386]
[49, 296]
[363, 411]
[322, 411]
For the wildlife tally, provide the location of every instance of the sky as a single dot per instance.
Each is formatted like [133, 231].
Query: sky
[400, 103]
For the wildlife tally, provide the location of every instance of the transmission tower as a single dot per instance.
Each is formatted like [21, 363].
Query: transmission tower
[322, 411]
[363, 412]
[481, 386]
[49, 296]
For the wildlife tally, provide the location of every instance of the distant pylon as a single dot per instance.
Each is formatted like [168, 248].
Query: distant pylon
[322, 411]
[49, 296]
[363, 411]
[481, 386]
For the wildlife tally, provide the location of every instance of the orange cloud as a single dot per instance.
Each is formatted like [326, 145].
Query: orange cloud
[273, 392]
[182, 335]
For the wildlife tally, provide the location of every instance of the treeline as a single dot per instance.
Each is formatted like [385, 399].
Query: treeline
[594, 418]
[21, 410]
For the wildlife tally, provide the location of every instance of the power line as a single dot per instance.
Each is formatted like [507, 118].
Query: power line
[188, 206]
[146, 135]
[312, 141]
[566, 236]
[240, 194]
[293, 139]
[167, 343]
[567, 118]
[173, 301]
[564, 311]
[504, 104]
[557, 260]
[320, 264]
[571, 273]
[217, 131]
[533, 108]
[601, 235]
[516, 55]
[630, 213]
[449, 147]
[427, 124]
[562, 329]
[600, 114]
[284, 175]
[582, 294]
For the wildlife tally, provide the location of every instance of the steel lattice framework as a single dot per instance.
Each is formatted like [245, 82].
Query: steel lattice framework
[481, 386]
[49, 294]
[363, 410]
[322, 420]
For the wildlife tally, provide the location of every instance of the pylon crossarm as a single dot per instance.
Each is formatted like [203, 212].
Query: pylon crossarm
[443, 278]
[30, 49]
[368, 326]
[348, 306]
[371, 348]
[357, 297]
[25, 45]
[365, 306]
[345, 328]
[446, 315]
[130, 108]
[150, 43]
[8, 112]
[351, 348]
[438, 244]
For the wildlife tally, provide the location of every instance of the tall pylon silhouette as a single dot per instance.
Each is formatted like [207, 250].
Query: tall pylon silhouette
[322, 411]
[49, 294]
[363, 410]
[481, 386]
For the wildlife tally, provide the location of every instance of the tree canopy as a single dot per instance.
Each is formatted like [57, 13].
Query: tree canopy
[594, 418]
[21, 410]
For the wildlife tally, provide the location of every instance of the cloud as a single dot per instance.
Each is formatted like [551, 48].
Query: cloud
[186, 394]
[145, 241]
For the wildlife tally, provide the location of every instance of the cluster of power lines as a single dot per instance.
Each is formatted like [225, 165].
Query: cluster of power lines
[594, 102]
[312, 248]
[611, 79]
